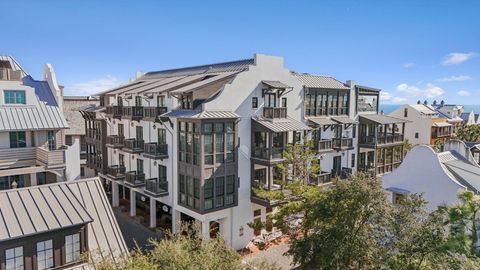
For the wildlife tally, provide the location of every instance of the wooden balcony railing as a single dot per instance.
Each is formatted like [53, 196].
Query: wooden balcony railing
[115, 141]
[155, 150]
[51, 158]
[156, 187]
[323, 145]
[17, 157]
[343, 143]
[151, 113]
[134, 145]
[271, 112]
[135, 179]
[133, 112]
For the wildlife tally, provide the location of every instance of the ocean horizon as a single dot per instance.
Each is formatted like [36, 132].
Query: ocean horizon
[388, 108]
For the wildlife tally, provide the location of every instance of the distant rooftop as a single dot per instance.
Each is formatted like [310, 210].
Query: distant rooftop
[318, 81]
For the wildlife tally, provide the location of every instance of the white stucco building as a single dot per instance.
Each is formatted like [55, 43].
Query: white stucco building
[201, 143]
[31, 121]
[438, 176]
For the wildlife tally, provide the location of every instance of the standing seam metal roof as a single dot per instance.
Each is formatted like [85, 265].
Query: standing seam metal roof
[325, 82]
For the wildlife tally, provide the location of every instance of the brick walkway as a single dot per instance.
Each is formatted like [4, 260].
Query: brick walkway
[133, 232]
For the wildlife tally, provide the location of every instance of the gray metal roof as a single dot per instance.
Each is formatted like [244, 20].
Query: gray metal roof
[465, 172]
[237, 66]
[322, 121]
[29, 211]
[200, 114]
[45, 115]
[325, 82]
[155, 85]
[203, 83]
[276, 84]
[344, 120]
[281, 125]
[382, 119]
[176, 84]
[37, 209]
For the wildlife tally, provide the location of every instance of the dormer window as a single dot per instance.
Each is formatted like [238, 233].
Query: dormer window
[186, 101]
[14, 97]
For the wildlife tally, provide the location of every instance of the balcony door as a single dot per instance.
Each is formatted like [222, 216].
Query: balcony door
[52, 141]
[160, 101]
[121, 132]
[121, 160]
[138, 101]
[119, 101]
[337, 163]
[162, 136]
[139, 166]
[139, 133]
[270, 100]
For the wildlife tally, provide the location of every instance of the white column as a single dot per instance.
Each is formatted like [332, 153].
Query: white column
[133, 203]
[153, 213]
[115, 194]
[206, 230]
[33, 179]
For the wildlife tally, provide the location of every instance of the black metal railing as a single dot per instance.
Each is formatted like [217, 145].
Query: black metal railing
[133, 112]
[134, 178]
[134, 145]
[155, 149]
[268, 153]
[115, 141]
[342, 143]
[272, 112]
[381, 139]
[156, 187]
[153, 112]
[343, 173]
[114, 111]
[323, 145]
[116, 171]
[321, 178]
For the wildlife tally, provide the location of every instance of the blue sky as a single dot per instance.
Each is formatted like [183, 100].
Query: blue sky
[410, 49]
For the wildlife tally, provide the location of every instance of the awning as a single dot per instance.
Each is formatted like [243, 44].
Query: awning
[276, 84]
[398, 190]
[203, 83]
[344, 120]
[382, 119]
[322, 121]
[441, 124]
[281, 125]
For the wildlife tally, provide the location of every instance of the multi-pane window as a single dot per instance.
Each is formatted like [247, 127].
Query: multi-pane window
[14, 258]
[72, 248]
[318, 103]
[18, 139]
[186, 101]
[219, 191]
[208, 194]
[44, 255]
[160, 101]
[14, 97]
[138, 101]
[7, 181]
[189, 142]
[162, 173]
[183, 196]
[254, 102]
[162, 136]
[52, 141]
[230, 183]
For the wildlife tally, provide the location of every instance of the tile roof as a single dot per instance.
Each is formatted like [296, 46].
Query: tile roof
[45, 115]
[281, 125]
[32, 210]
[325, 82]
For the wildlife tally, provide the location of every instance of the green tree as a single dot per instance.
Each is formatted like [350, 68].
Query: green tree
[462, 219]
[299, 162]
[469, 133]
[186, 251]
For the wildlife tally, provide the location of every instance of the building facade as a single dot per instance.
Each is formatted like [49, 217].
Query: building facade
[202, 143]
[32, 149]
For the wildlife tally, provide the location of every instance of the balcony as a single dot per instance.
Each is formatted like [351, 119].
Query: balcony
[51, 159]
[156, 188]
[7, 74]
[17, 157]
[381, 140]
[267, 197]
[94, 161]
[133, 113]
[343, 173]
[342, 144]
[156, 151]
[151, 113]
[116, 172]
[323, 146]
[114, 111]
[135, 179]
[274, 153]
[321, 178]
[133, 146]
[271, 112]
[115, 141]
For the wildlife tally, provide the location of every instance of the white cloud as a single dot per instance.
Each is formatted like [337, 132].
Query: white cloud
[463, 93]
[93, 86]
[408, 65]
[455, 78]
[389, 98]
[430, 90]
[457, 58]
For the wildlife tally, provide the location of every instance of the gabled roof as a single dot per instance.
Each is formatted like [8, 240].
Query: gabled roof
[46, 114]
[323, 82]
[424, 109]
[38, 209]
[382, 119]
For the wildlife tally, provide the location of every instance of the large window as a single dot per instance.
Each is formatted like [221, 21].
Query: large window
[7, 181]
[14, 258]
[320, 103]
[162, 136]
[44, 255]
[18, 139]
[72, 248]
[189, 142]
[367, 103]
[14, 97]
